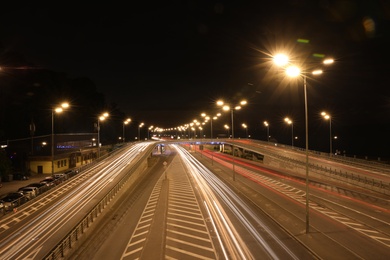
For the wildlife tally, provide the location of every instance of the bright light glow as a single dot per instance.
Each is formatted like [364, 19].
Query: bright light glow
[226, 108]
[243, 103]
[103, 116]
[220, 103]
[317, 72]
[325, 115]
[266, 123]
[280, 59]
[328, 61]
[293, 71]
[58, 109]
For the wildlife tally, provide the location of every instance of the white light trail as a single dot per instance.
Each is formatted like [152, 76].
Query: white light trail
[207, 181]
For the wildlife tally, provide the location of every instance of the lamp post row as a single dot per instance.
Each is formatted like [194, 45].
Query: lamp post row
[293, 71]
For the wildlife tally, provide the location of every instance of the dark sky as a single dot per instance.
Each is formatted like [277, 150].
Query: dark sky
[165, 62]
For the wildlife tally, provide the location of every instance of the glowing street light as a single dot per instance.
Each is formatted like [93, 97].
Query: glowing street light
[227, 129]
[246, 129]
[267, 125]
[139, 127]
[226, 107]
[290, 122]
[102, 117]
[126, 122]
[149, 130]
[57, 110]
[328, 117]
[293, 71]
[210, 118]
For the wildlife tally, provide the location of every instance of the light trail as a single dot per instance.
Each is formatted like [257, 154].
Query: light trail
[34, 235]
[210, 186]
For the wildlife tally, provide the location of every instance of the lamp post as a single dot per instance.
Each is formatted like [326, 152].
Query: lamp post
[150, 129]
[246, 129]
[211, 118]
[195, 125]
[102, 117]
[227, 129]
[139, 127]
[328, 117]
[126, 122]
[231, 108]
[290, 122]
[58, 109]
[267, 125]
[293, 71]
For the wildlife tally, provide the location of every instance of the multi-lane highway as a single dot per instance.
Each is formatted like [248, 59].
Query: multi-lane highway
[267, 219]
[37, 227]
[187, 205]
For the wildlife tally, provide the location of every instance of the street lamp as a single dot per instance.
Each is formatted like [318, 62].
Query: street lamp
[126, 122]
[57, 110]
[139, 127]
[227, 129]
[328, 117]
[231, 108]
[294, 71]
[195, 124]
[290, 122]
[211, 118]
[149, 130]
[102, 117]
[267, 125]
[246, 129]
[200, 132]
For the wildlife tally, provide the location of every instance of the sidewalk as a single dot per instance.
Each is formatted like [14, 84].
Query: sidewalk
[12, 186]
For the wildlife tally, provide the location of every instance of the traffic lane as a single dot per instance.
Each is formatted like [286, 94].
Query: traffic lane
[261, 235]
[327, 226]
[173, 227]
[53, 222]
[110, 239]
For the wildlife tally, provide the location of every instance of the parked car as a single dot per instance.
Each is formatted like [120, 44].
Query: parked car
[29, 192]
[60, 176]
[13, 200]
[50, 181]
[42, 187]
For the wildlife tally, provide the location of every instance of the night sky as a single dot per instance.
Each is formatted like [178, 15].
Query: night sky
[164, 63]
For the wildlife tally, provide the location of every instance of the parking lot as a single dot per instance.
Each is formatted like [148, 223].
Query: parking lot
[13, 186]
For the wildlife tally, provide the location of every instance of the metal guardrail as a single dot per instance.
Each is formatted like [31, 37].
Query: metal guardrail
[351, 178]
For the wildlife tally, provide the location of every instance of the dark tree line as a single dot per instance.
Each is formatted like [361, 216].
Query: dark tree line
[28, 94]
